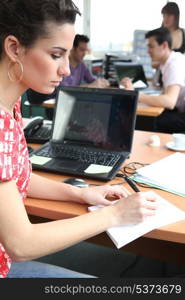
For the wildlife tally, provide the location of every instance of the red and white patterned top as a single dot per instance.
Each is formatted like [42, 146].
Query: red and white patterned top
[14, 163]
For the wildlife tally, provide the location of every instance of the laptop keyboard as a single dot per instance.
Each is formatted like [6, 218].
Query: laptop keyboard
[82, 154]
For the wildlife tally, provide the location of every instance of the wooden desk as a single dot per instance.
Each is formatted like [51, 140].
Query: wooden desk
[146, 116]
[142, 109]
[167, 243]
[149, 111]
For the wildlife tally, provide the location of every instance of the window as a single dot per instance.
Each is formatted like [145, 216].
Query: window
[113, 22]
[181, 4]
[79, 19]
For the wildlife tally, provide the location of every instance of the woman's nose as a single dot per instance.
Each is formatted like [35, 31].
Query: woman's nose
[64, 69]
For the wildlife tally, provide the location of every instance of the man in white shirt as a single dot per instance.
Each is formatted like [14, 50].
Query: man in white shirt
[172, 66]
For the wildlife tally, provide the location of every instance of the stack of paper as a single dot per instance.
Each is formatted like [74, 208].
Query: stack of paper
[139, 84]
[166, 174]
[166, 214]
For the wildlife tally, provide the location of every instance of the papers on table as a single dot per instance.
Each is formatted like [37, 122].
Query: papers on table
[139, 84]
[166, 174]
[166, 214]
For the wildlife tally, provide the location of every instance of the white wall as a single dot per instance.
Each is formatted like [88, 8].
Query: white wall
[110, 24]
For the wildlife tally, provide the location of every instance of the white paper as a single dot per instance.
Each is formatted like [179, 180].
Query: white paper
[39, 160]
[166, 214]
[139, 84]
[167, 172]
[97, 169]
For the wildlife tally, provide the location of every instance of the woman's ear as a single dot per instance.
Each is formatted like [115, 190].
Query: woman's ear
[12, 47]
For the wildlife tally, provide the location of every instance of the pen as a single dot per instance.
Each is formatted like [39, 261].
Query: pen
[130, 182]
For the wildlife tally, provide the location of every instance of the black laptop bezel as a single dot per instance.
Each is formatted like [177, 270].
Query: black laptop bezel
[99, 91]
[102, 91]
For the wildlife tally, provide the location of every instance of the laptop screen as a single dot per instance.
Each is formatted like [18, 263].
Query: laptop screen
[132, 70]
[101, 118]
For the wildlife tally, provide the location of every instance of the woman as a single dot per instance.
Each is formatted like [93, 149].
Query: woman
[171, 15]
[35, 41]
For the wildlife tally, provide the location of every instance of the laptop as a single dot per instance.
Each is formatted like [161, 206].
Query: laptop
[137, 73]
[132, 70]
[92, 133]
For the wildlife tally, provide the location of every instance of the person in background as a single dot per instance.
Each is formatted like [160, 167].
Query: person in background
[172, 67]
[171, 17]
[80, 75]
[34, 48]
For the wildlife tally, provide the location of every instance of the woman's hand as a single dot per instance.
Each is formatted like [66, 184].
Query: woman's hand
[134, 208]
[100, 195]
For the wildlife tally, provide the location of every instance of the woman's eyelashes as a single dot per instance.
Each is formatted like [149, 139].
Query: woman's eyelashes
[56, 56]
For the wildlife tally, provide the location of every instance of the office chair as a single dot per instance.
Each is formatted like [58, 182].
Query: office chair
[36, 99]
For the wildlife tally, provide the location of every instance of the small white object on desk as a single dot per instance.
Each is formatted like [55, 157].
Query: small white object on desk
[179, 139]
[178, 143]
[171, 146]
[154, 141]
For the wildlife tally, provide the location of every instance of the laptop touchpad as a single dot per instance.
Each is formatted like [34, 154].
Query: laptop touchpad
[63, 164]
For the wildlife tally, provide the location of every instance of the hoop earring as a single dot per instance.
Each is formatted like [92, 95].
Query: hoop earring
[13, 78]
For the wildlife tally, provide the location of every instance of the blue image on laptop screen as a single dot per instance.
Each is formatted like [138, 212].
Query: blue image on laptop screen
[96, 117]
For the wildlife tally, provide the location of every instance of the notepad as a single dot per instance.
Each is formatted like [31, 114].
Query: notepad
[98, 169]
[166, 214]
[166, 174]
[39, 159]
